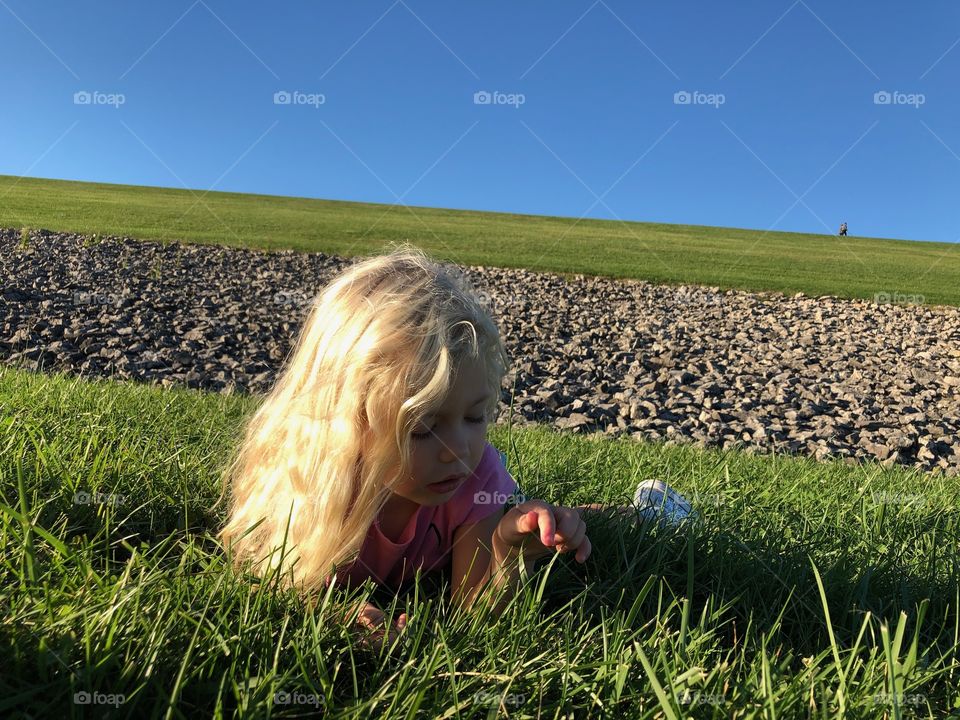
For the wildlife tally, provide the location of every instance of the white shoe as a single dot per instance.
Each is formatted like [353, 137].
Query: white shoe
[657, 500]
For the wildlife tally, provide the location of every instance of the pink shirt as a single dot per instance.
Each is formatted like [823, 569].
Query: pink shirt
[427, 539]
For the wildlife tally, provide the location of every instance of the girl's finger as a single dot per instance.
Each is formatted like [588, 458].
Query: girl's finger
[371, 620]
[371, 637]
[519, 522]
[567, 523]
[529, 521]
[379, 635]
[575, 538]
[398, 625]
[546, 522]
[583, 552]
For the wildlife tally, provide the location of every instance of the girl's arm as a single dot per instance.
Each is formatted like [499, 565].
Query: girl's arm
[476, 561]
[493, 551]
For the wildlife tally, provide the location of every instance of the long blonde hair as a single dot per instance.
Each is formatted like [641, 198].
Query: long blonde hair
[378, 351]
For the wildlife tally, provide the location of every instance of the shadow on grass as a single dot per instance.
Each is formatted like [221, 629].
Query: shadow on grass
[759, 581]
[758, 578]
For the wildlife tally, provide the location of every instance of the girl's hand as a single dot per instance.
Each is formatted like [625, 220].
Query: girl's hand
[537, 528]
[371, 627]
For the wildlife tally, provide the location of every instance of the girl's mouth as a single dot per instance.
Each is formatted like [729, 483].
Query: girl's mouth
[445, 486]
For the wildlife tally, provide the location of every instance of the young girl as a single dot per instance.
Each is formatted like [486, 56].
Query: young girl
[369, 459]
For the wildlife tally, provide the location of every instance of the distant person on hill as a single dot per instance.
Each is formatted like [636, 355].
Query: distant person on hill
[843, 228]
[369, 459]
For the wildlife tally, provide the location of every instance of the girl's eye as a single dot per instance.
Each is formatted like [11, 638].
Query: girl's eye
[427, 433]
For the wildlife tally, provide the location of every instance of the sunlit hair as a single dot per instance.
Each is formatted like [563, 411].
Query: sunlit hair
[378, 351]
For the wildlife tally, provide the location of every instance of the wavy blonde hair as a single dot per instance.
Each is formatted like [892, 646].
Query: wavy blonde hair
[379, 350]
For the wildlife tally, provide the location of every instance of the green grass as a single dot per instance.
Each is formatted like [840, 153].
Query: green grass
[725, 257]
[806, 590]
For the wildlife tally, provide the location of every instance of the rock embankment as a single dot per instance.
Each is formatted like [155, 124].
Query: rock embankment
[821, 376]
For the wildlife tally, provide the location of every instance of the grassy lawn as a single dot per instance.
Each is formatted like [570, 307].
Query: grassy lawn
[806, 589]
[725, 257]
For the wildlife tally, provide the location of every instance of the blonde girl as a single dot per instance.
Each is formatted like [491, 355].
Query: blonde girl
[368, 458]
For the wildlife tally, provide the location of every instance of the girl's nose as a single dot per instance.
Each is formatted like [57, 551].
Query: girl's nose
[454, 446]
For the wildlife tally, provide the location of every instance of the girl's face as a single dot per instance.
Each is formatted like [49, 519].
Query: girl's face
[450, 442]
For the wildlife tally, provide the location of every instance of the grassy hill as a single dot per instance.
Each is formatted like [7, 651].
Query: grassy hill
[804, 589]
[725, 257]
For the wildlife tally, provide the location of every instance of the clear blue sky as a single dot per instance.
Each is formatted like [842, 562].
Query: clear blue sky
[399, 121]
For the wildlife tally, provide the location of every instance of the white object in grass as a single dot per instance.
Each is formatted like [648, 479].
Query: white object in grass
[657, 500]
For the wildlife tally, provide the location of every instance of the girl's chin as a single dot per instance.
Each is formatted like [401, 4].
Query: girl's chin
[432, 499]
